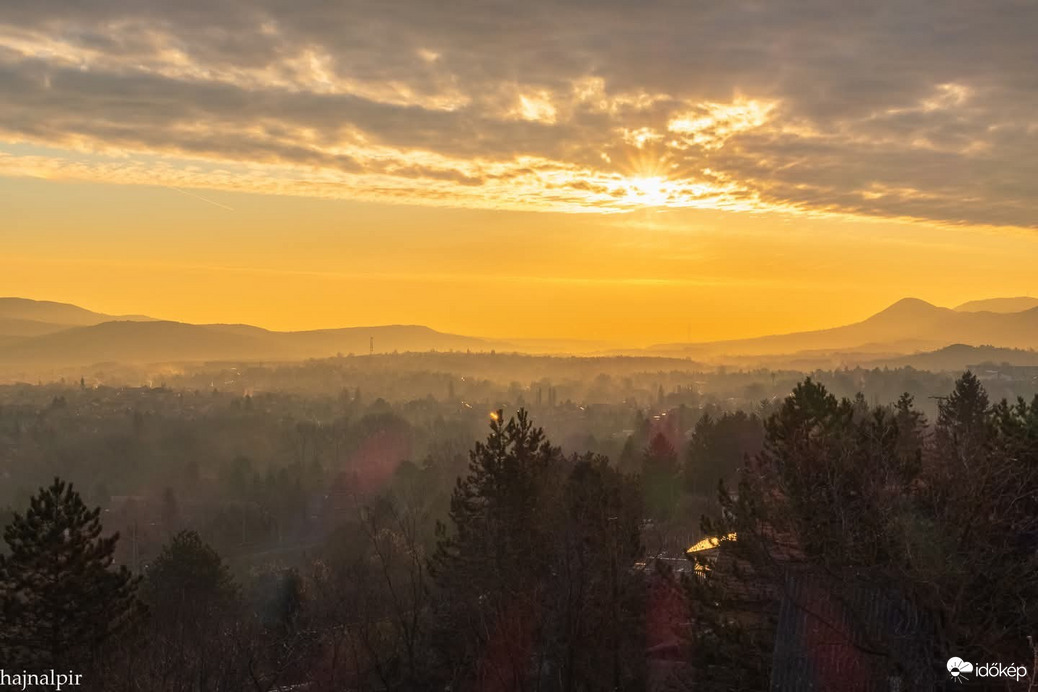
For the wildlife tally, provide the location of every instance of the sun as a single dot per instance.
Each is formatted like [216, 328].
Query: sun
[647, 179]
[649, 191]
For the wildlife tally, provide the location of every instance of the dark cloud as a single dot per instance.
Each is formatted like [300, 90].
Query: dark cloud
[922, 109]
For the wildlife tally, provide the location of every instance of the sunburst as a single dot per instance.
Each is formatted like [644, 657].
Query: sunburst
[647, 178]
[651, 191]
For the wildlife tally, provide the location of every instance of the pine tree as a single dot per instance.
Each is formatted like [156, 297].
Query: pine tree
[980, 489]
[595, 635]
[911, 434]
[495, 509]
[170, 509]
[491, 569]
[964, 423]
[718, 448]
[946, 521]
[60, 599]
[188, 580]
[193, 602]
[660, 477]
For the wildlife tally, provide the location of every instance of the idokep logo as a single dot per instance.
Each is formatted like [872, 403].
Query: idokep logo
[960, 670]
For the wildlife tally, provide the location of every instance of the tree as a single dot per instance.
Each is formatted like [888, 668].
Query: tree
[535, 583]
[60, 598]
[492, 567]
[170, 510]
[964, 423]
[830, 495]
[660, 477]
[718, 448]
[1017, 426]
[595, 636]
[979, 530]
[865, 508]
[192, 600]
[370, 599]
[188, 581]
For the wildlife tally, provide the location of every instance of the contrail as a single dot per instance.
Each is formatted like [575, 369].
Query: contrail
[204, 199]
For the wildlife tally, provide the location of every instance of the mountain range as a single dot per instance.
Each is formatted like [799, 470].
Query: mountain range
[908, 326]
[56, 334]
[47, 334]
[1018, 304]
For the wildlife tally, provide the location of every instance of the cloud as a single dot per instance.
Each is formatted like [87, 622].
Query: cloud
[922, 110]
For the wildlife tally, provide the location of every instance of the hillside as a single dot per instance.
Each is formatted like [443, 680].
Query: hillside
[42, 334]
[55, 314]
[907, 326]
[17, 327]
[153, 342]
[1018, 304]
[959, 357]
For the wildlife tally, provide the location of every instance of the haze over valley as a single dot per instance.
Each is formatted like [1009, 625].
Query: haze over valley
[38, 337]
[531, 346]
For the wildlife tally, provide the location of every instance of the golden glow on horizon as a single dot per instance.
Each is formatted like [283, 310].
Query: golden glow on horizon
[650, 276]
[315, 176]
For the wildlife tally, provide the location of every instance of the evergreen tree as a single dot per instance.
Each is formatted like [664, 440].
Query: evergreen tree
[491, 569]
[60, 598]
[188, 580]
[192, 600]
[945, 524]
[982, 521]
[1018, 429]
[964, 424]
[535, 586]
[596, 635]
[660, 477]
[170, 509]
[718, 447]
[911, 430]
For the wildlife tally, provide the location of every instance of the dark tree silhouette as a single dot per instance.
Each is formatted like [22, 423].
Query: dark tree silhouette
[535, 583]
[718, 448]
[660, 477]
[192, 602]
[492, 567]
[596, 638]
[60, 598]
[861, 506]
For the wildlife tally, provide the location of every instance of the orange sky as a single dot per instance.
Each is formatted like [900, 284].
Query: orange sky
[635, 278]
[634, 171]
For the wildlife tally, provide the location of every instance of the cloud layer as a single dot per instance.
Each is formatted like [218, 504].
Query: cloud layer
[923, 110]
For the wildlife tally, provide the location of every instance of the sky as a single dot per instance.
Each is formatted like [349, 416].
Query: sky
[635, 171]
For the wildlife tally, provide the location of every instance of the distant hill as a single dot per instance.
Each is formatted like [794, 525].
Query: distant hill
[908, 325]
[959, 357]
[1018, 304]
[21, 317]
[157, 341]
[45, 334]
[15, 327]
[57, 313]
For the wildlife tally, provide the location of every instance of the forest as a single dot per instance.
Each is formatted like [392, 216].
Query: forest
[167, 538]
[518, 346]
